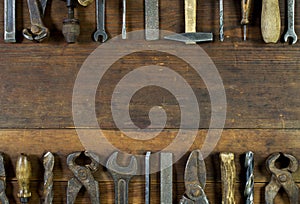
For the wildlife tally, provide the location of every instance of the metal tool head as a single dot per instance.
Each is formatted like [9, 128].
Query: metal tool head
[292, 35]
[93, 166]
[191, 37]
[71, 29]
[292, 167]
[129, 170]
[100, 34]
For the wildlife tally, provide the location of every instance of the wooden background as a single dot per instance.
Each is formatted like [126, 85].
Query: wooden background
[262, 83]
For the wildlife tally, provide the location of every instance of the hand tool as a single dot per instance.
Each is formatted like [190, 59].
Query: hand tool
[246, 8]
[194, 180]
[48, 162]
[228, 175]
[190, 36]
[270, 21]
[121, 176]
[100, 18]
[147, 177]
[290, 33]
[83, 177]
[166, 177]
[85, 2]
[151, 20]
[37, 32]
[282, 178]
[124, 20]
[221, 21]
[71, 27]
[23, 173]
[3, 197]
[10, 21]
[249, 187]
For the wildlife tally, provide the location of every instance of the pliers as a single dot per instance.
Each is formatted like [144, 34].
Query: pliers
[83, 177]
[194, 180]
[282, 178]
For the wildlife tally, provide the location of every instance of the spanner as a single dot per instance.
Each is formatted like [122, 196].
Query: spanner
[121, 176]
[100, 17]
[290, 33]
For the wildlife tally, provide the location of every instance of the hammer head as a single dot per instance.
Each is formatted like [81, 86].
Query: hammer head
[190, 38]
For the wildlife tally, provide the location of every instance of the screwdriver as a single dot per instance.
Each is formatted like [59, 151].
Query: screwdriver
[246, 6]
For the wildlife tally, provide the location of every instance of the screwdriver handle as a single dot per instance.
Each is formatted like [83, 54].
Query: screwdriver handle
[23, 173]
[246, 6]
[270, 21]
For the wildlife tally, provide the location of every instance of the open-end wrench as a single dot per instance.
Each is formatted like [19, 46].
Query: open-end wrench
[100, 17]
[290, 33]
[121, 176]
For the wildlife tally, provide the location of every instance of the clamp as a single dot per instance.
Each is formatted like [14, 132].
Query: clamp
[282, 178]
[83, 177]
[194, 180]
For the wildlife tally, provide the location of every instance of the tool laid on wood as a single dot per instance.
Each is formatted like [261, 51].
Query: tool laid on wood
[121, 176]
[228, 175]
[249, 187]
[71, 27]
[246, 8]
[48, 162]
[151, 20]
[85, 2]
[270, 21]
[124, 35]
[221, 20]
[3, 197]
[147, 177]
[290, 33]
[282, 178]
[37, 32]
[190, 36]
[83, 177]
[166, 177]
[194, 180]
[10, 21]
[23, 173]
[100, 18]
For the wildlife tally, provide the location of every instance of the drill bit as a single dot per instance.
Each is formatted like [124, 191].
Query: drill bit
[246, 6]
[221, 22]
[249, 188]
[48, 163]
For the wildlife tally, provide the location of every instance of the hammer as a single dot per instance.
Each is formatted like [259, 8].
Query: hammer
[190, 36]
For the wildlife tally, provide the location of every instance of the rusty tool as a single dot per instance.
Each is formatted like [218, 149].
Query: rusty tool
[270, 21]
[228, 175]
[100, 18]
[194, 180]
[71, 27]
[23, 173]
[151, 20]
[3, 197]
[249, 187]
[10, 21]
[122, 176]
[190, 36]
[37, 32]
[246, 8]
[282, 178]
[166, 177]
[48, 162]
[83, 177]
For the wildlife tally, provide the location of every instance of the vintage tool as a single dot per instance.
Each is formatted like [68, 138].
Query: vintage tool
[23, 173]
[246, 8]
[83, 177]
[190, 36]
[37, 32]
[194, 180]
[124, 35]
[48, 162]
[151, 20]
[147, 177]
[71, 27]
[100, 18]
[290, 33]
[221, 21]
[270, 21]
[85, 2]
[122, 176]
[228, 175]
[249, 187]
[3, 197]
[166, 177]
[10, 21]
[282, 178]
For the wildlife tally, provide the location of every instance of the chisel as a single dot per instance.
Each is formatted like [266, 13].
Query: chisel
[10, 21]
[151, 20]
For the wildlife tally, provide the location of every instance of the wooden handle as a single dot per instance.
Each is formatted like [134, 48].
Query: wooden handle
[246, 7]
[270, 21]
[23, 173]
[228, 175]
[190, 16]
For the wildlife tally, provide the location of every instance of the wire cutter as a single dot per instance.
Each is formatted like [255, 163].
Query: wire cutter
[83, 177]
[282, 178]
[194, 180]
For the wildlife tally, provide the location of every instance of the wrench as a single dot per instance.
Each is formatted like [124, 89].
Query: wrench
[290, 33]
[121, 176]
[100, 17]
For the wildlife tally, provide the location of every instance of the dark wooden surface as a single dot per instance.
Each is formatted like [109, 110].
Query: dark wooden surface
[262, 83]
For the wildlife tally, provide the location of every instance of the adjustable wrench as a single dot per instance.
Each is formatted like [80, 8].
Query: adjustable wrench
[10, 20]
[100, 17]
[290, 33]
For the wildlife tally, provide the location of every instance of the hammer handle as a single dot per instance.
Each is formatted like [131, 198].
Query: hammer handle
[270, 21]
